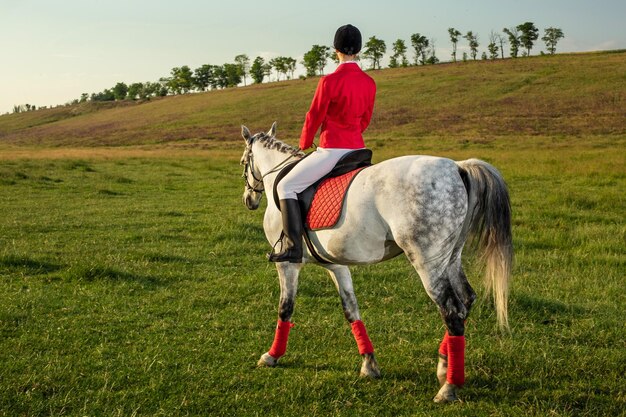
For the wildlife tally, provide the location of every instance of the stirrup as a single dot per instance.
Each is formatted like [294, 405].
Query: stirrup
[291, 236]
[285, 256]
[284, 253]
[269, 255]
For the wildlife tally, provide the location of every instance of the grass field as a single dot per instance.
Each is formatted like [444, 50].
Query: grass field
[133, 280]
[138, 285]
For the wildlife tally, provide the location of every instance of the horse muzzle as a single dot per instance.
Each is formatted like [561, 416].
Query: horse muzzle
[252, 200]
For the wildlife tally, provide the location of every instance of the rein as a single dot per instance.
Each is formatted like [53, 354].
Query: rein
[248, 163]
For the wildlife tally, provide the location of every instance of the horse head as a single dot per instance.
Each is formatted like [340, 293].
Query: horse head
[252, 175]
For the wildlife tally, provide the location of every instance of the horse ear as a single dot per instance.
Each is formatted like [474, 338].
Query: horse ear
[272, 132]
[245, 133]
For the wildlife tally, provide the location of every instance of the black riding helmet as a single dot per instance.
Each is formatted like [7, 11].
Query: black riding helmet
[348, 40]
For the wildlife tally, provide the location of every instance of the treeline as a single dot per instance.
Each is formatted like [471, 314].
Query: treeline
[21, 108]
[521, 40]
[182, 80]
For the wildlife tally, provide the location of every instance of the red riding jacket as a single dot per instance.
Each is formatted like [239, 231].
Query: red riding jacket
[342, 105]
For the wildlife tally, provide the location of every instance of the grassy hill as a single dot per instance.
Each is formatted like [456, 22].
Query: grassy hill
[554, 96]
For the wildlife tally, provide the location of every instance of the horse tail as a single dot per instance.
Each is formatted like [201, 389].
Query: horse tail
[489, 218]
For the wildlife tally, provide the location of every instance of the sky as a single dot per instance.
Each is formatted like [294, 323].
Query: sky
[53, 51]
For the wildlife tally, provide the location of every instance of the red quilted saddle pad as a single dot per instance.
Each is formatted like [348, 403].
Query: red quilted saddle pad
[328, 201]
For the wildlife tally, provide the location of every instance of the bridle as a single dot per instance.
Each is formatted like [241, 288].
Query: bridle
[248, 168]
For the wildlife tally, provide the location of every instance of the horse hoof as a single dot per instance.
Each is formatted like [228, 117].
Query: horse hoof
[370, 368]
[267, 361]
[442, 371]
[447, 394]
[367, 372]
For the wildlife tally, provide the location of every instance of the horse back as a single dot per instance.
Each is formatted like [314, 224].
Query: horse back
[396, 200]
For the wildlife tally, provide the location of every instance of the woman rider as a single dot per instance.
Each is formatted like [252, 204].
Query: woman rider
[342, 106]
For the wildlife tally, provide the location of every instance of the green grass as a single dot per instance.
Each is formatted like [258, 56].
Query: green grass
[138, 286]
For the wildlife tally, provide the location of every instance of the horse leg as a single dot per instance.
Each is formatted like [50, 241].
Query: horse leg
[453, 361]
[455, 302]
[288, 279]
[447, 286]
[343, 281]
[467, 297]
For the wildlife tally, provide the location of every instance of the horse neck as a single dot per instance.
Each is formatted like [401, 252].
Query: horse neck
[268, 159]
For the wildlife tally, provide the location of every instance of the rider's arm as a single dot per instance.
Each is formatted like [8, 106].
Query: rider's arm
[367, 116]
[315, 116]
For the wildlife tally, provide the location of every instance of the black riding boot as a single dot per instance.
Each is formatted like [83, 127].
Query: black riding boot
[292, 228]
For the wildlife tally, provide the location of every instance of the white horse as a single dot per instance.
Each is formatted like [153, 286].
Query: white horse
[422, 206]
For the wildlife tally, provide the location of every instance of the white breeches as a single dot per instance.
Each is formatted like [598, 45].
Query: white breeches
[312, 168]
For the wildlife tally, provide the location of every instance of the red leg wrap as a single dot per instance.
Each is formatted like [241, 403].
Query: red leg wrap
[443, 347]
[279, 347]
[362, 339]
[456, 360]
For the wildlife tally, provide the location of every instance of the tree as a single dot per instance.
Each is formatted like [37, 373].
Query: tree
[454, 38]
[529, 35]
[309, 60]
[432, 58]
[551, 38]
[220, 79]
[134, 90]
[333, 55]
[231, 75]
[290, 64]
[120, 91]
[473, 43]
[106, 95]
[181, 80]
[164, 83]
[283, 65]
[226, 75]
[280, 65]
[493, 46]
[21, 108]
[243, 64]
[163, 87]
[267, 70]
[375, 49]
[514, 40]
[277, 64]
[202, 77]
[152, 89]
[315, 60]
[256, 70]
[500, 39]
[398, 59]
[420, 45]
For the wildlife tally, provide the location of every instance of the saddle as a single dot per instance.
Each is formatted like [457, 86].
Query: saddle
[322, 202]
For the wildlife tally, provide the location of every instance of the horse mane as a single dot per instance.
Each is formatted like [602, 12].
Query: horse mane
[270, 142]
